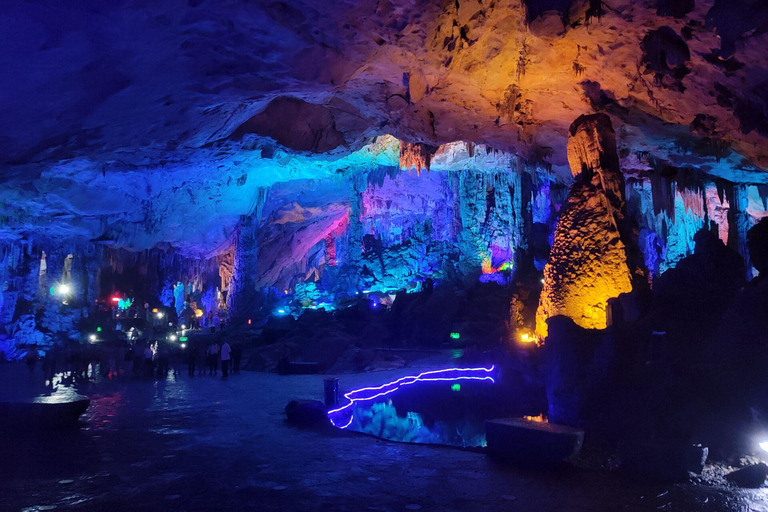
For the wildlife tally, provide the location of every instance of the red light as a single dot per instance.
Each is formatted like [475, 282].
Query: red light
[115, 299]
[249, 321]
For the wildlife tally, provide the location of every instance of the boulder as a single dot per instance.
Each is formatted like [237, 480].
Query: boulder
[751, 476]
[663, 461]
[307, 413]
[576, 374]
[531, 443]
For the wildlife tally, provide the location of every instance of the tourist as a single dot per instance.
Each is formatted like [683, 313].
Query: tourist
[149, 365]
[192, 356]
[163, 360]
[49, 364]
[226, 351]
[31, 359]
[237, 354]
[130, 354]
[212, 355]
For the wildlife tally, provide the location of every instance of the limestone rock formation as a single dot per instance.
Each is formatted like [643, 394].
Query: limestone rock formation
[242, 286]
[588, 262]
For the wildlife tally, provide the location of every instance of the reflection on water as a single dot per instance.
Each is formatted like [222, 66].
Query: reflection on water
[382, 420]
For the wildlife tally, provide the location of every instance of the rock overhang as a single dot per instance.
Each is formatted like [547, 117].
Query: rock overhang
[125, 113]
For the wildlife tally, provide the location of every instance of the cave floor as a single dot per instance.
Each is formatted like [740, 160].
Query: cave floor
[206, 444]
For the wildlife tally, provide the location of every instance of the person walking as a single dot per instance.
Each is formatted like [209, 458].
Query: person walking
[226, 352]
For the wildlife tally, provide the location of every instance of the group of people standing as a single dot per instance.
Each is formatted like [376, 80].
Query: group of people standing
[217, 354]
[152, 359]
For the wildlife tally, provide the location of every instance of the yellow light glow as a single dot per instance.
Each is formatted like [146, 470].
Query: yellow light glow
[198, 313]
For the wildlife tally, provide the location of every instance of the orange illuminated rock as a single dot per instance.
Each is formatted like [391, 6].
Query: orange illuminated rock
[588, 262]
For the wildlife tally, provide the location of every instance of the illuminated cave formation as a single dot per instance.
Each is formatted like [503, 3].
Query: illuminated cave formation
[588, 263]
[571, 192]
[367, 150]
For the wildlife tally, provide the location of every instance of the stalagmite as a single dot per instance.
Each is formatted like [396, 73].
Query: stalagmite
[242, 286]
[588, 262]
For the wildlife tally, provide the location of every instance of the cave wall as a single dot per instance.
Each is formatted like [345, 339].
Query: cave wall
[32, 313]
[371, 226]
[389, 229]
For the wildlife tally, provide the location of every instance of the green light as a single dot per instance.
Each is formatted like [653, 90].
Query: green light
[456, 387]
[183, 338]
[455, 335]
[457, 353]
[505, 266]
[98, 329]
[52, 290]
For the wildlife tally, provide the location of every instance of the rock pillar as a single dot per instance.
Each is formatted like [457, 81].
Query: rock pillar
[588, 261]
[242, 285]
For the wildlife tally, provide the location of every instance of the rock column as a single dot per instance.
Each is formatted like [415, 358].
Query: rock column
[588, 261]
[242, 286]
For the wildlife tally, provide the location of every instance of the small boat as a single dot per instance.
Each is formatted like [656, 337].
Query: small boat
[43, 413]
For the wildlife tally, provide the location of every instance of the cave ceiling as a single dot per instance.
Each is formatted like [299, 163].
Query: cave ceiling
[138, 123]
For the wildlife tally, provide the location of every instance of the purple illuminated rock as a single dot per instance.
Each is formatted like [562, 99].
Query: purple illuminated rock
[522, 441]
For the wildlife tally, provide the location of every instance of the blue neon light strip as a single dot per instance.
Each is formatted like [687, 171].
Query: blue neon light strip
[370, 393]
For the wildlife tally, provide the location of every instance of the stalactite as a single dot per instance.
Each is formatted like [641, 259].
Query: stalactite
[739, 221]
[416, 155]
